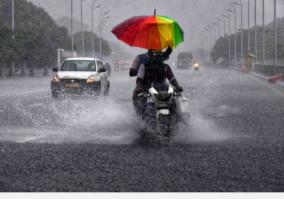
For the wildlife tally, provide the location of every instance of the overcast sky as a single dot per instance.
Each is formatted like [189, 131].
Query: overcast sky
[193, 15]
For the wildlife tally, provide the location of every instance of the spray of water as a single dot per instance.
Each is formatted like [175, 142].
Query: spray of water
[101, 120]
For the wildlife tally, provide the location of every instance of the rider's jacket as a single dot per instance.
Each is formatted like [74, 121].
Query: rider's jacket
[155, 71]
[144, 59]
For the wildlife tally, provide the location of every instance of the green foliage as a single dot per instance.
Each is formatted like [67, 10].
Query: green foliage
[7, 53]
[37, 37]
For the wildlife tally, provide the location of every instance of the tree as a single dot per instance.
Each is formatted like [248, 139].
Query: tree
[37, 37]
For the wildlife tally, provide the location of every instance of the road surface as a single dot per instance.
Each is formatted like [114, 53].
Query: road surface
[234, 141]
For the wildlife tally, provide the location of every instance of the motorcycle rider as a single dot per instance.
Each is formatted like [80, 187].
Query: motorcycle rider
[145, 59]
[152, 69]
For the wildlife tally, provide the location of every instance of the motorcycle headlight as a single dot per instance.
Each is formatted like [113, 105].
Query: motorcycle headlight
[171, 90]
[92, 79]
[55, 78]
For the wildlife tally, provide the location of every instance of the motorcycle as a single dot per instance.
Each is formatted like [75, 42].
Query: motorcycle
[162, 112]
[196, 66]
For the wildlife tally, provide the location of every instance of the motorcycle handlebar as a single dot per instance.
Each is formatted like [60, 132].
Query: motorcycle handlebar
[147, 94]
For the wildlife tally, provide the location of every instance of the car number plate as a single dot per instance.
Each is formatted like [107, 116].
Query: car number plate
[72, 85]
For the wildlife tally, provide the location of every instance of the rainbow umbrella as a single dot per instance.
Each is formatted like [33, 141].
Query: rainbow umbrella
[149, 32]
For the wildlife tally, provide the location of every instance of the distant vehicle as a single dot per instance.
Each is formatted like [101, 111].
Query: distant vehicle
[80, 76]
[184, 60]
[195, 65]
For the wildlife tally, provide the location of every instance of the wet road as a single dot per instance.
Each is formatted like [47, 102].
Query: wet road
[234, 141]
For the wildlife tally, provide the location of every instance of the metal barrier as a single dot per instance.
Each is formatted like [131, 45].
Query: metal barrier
[269, 70]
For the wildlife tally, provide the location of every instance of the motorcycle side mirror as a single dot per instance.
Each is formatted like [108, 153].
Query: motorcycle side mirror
[55, 70]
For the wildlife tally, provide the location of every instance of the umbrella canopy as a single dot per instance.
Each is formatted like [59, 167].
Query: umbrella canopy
[149, 32]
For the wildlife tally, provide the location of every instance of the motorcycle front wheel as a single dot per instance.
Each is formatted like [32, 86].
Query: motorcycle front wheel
[166, 127]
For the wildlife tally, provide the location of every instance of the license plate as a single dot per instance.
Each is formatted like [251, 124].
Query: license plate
[72, 85]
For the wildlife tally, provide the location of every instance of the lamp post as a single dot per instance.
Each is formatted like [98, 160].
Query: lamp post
[255, 30]
[242, 29]
[215, 33]
[219, 24]
[13, 19]
[224, 20]
[207, 29]
[249, 26]
[93, 36]
[102, 17]
[204, 40]
[72, 35]
[82, 31]
[275, 36]
[229, 18]
[235, 36]
[13, 33]
[263, 31]
[211, 36]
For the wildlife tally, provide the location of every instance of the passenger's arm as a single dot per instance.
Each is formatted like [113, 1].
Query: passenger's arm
[166, 54]
[134, 67]
[170, 76]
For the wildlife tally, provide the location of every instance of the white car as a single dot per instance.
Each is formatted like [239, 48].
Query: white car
[80, 75]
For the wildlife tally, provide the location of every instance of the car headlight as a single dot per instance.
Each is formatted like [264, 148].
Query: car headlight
[92, 79]
[55, 78]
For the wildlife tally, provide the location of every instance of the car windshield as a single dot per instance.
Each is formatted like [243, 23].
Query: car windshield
[78, 65]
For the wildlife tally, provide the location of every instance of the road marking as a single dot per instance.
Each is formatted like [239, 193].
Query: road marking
[34, 105]
[29, 139]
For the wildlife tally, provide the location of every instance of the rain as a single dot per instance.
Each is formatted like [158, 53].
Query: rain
[228, 138]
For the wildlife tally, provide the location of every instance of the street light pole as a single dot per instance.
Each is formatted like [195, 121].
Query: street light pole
[205, 39]
[100, 31]
[82, 32]
[215, 32]
[93, 36]
[13, 33]
[263, 31]
[242, 29]
[275, 36]
[72, 35]
[208, 37]
[224, 27]
[212, 37]
[13, 19]
[102, 15]
[235, 13]
[219, 24]
[255, 30]
[229, 18]
[235, 35]
[249, 26]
